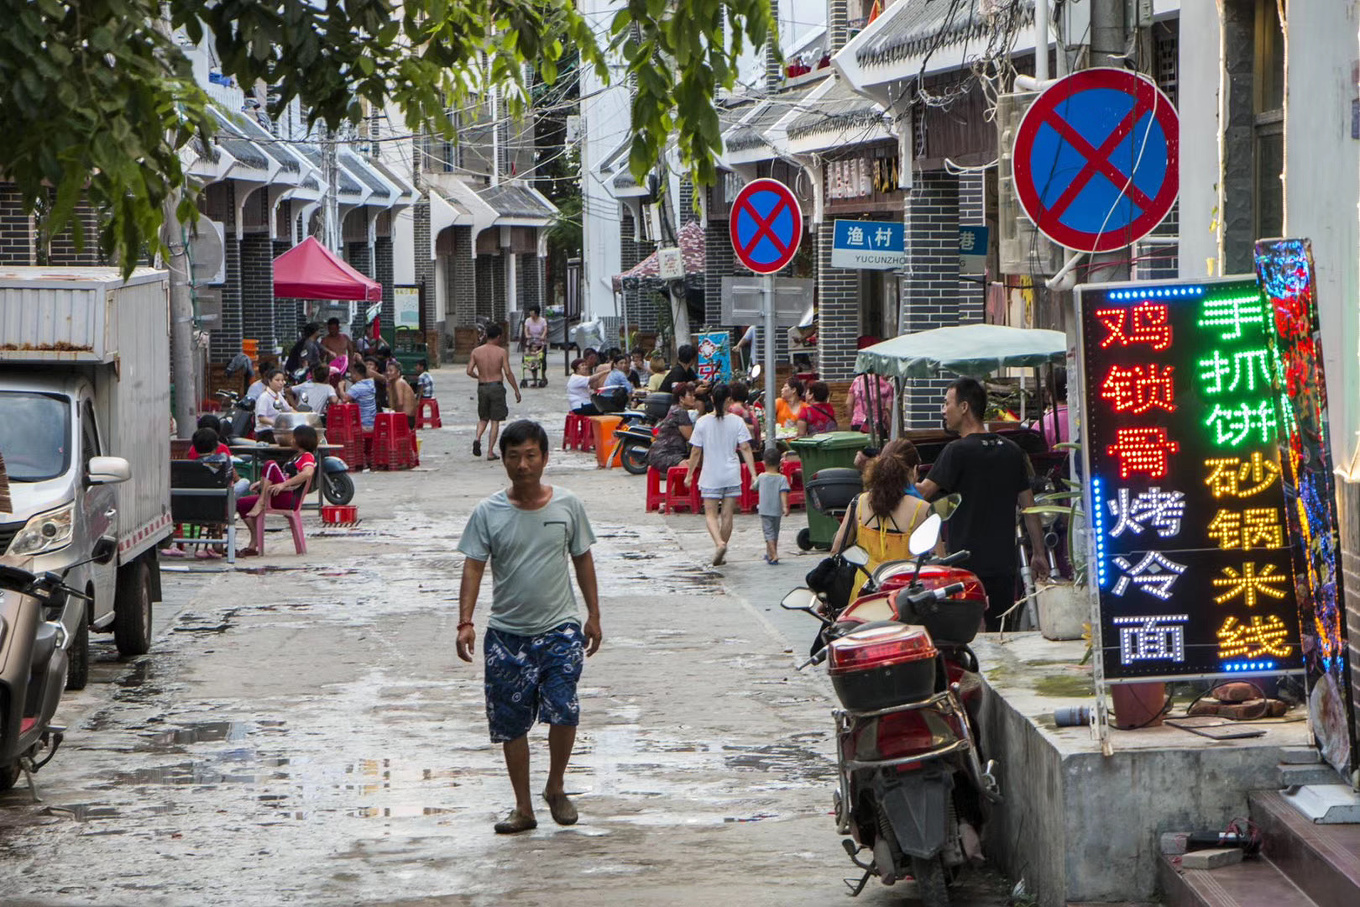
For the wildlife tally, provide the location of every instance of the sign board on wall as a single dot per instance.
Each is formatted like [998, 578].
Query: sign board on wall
[741, 300]
[972, 250]
[715, 357]
[671, 263]
[1185, 493]
[868, 244]
[406, 306]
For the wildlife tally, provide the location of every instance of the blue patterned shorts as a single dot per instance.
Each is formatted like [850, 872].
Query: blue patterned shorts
[532, 677]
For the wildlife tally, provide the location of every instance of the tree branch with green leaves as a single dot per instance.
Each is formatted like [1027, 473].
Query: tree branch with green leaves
[98, 99]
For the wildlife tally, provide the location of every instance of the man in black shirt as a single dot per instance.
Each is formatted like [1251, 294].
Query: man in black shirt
[992, 474]
[683, 370]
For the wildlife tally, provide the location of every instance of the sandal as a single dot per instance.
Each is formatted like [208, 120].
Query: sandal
[490, 457]
[247, 552]
[477, 448]
[515, 823]
[563, 812]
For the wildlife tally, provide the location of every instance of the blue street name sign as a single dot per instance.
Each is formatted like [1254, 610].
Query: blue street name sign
[868, 245]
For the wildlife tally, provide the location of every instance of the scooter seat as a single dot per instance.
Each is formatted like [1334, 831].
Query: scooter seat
[44, 644]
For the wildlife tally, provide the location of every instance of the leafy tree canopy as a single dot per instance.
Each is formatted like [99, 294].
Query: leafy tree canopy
[98, 97]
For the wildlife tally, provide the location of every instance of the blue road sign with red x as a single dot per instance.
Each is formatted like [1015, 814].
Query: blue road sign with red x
[766, 225]
[1096, 159]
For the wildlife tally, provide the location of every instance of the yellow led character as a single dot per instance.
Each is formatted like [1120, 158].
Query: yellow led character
[1260, 637]
[1248, 584]
[1227, 475]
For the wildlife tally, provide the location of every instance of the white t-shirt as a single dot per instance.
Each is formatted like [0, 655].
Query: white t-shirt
[578, 391]
[269, 406]
[317, 396]
[719, 439]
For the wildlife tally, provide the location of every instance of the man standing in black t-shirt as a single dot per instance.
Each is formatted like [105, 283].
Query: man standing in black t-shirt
[992, 474]
[683, 370]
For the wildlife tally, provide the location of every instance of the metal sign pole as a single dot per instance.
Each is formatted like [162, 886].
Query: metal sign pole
[767, 309]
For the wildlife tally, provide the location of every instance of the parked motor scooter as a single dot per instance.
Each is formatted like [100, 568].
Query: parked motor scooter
[633, 439]
[34, 645]
[238, 414]
[912, 789]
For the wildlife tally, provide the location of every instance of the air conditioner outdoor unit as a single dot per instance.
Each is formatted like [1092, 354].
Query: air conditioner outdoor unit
[1023, 249]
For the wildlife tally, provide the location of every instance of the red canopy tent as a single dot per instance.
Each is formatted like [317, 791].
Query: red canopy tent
[311, 271]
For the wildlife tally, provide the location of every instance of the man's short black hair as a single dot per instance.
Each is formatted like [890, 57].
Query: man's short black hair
[493, 331]
[772, 456]
[334, 321]
[971, 391]
[205, 440]
[686, 353]
[422, 364]
[208, 420]
[533, 310]
[321, 374]
[516, 433]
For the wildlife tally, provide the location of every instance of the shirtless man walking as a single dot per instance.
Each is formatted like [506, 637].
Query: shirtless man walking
[488, 364]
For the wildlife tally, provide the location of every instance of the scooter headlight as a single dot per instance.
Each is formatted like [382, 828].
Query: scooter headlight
[45, 533]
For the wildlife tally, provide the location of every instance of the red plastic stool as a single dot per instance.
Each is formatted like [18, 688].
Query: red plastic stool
[392, 447]
[793, 471]
[680, 493]
[656, 495]
[342, 422]
[750, 497]
[578, 433]
[427, 414]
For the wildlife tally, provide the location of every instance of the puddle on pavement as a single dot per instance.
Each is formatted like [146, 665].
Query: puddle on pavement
[207, 732]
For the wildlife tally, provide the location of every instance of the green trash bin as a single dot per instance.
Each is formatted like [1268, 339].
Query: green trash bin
[832, 449]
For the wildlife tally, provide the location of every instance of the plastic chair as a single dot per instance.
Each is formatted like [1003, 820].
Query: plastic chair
[680, 493]
[794, 473]
[427, 414]
[292, 514]
[656, 495]
[750, 497]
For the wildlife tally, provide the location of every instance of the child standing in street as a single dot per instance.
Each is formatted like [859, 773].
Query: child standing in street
[774, 503]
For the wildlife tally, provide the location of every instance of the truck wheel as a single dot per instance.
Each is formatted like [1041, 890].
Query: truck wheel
[78, 657]
[337, 487]
[634, 457]
[132, 610]
[9, 774]
[804, 539]
[931, 887]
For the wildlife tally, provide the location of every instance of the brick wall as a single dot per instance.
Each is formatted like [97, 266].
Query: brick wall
[20, 239]
[219, 201]
[933, 296]
[1348, 501]
[16, 228]
[288, 313]
[719, 262]
[528, 279]
[257, 291]
[424, 265]
[62, 250]
[486, 285]
[384, 274]
[838, 310]
[462, 276]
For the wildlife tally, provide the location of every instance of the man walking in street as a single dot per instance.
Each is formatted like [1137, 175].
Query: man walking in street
[535, 643]
[488, 364]
[992, 474]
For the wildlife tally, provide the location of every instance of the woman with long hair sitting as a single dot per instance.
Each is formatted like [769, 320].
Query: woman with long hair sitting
[882, 518]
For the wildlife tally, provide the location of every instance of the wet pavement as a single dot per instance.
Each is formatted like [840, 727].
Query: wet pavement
[303, 733]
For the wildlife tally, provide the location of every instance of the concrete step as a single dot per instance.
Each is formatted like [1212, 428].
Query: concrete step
[1300, 755]
[1251, 883]
[1297, 775]
[1323, 860]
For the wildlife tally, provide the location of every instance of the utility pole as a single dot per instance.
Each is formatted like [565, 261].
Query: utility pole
[1109, 44]
[181, 305]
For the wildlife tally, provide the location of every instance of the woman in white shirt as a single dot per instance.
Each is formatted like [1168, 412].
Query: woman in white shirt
[720, 441]
[578, 390]
[270, 404]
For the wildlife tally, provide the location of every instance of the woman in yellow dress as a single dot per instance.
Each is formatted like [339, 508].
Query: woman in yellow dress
[887, 512]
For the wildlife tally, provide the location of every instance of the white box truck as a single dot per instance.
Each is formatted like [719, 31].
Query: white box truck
[85, 433]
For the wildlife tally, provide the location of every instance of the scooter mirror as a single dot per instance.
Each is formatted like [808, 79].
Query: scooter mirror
[857, 555]
[924, 537]
[946, 505]
[755, 372]
[799, 599]
[104, 549]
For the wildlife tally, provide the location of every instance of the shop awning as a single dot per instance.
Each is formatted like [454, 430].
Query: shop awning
[311, 271]
[970, 349]
[691, 238]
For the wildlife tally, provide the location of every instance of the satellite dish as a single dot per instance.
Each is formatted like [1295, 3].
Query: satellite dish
[207, 251]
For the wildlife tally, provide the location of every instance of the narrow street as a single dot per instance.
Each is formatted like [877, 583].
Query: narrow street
[303, 732]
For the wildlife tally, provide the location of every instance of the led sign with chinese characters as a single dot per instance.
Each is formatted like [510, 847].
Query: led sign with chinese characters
[1187, 502]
